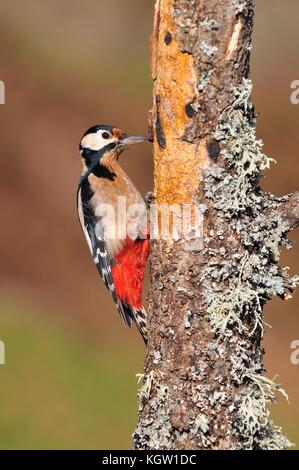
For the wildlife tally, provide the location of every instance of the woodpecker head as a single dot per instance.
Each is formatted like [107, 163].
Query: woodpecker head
[102, 143]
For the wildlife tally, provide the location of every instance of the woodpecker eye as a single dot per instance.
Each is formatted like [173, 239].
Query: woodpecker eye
[106, 135]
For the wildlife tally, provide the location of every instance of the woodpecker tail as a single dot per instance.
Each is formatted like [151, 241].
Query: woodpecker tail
[138, 315]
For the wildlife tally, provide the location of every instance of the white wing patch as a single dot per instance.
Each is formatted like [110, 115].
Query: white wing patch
[81, 219]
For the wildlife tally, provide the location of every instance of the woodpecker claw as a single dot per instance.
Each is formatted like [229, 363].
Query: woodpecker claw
[149, 198]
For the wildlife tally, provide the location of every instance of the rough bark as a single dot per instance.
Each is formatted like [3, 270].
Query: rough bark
[204, 384]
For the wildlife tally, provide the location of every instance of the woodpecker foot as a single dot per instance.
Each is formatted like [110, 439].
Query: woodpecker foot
[149, 198]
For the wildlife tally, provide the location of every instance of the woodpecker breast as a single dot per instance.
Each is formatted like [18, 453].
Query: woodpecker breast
[118, 207]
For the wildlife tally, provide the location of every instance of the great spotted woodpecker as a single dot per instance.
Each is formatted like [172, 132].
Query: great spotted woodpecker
[113, 217]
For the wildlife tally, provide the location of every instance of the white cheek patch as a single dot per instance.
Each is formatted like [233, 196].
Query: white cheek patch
[93, 141]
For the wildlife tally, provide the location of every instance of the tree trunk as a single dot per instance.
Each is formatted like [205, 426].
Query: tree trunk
[204, 386]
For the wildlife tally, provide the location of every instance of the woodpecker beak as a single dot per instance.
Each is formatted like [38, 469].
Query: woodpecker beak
[132, 139]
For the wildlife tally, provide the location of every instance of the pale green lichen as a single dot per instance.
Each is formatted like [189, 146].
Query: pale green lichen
[231, 187]
[258, 432]
[252, 276]
[153, 433]
[210, 24]
[227, 309]
[157, 357]
[240, 6]
[230, 307]
[236, 196]
[204, 79]
[200, 425]
[187, 316]
[208, 50]
[145, 390]
[159, 429]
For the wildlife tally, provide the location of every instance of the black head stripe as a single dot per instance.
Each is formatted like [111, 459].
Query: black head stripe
[96, 154]
[92, 157]
[98, 127]
[92, 160]
[107, 148]
[102, 172]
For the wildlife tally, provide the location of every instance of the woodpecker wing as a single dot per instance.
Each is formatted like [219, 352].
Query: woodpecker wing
[91, 226]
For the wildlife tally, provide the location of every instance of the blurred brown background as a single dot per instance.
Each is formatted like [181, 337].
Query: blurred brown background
[69, 381]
